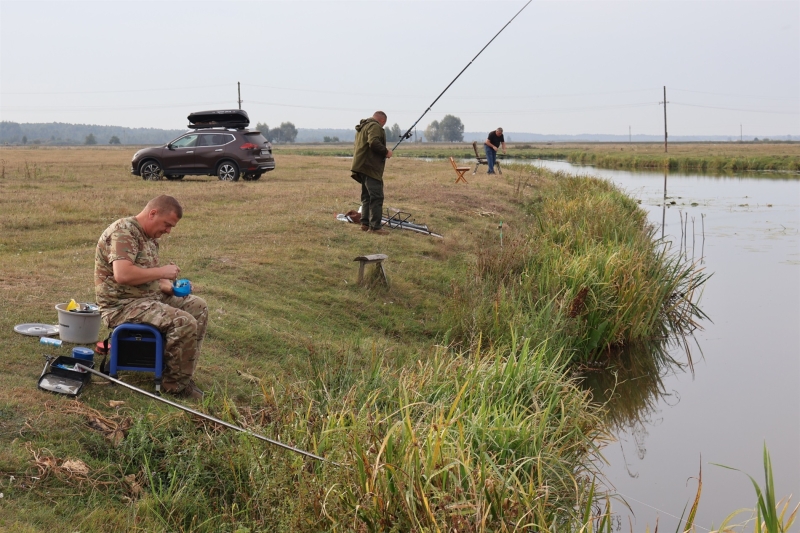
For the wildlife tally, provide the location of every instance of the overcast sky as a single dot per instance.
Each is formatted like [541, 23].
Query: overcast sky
[561, 67]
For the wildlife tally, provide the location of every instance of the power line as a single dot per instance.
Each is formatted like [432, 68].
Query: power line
[493, 112]
[492, 98]
[120, 91]
[738, 95]
[161, 106]
[738, 109]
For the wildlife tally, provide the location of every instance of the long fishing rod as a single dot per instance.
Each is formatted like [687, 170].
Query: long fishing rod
[207, 417]
[407, 134]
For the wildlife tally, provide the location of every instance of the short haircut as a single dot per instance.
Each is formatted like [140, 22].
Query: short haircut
[165, 204]
[377, 114]
[500, 130]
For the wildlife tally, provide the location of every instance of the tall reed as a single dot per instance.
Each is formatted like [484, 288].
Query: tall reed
[500, 441]
[586, 270]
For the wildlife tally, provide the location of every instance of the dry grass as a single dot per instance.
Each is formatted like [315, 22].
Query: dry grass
[274, 265]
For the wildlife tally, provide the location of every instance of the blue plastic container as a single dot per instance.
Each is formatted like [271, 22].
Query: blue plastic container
[182, 287]
[85, 354]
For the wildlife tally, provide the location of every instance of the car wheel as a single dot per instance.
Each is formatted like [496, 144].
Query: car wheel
[150, 171]
[228, 171]
[174, 178]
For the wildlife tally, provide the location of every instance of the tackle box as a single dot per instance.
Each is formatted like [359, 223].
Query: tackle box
[61, 377]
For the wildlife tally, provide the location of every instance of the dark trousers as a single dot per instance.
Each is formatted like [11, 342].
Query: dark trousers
[371, 201]
[491, 157]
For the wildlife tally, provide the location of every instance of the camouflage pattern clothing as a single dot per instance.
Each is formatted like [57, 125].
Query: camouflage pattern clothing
[182, 320]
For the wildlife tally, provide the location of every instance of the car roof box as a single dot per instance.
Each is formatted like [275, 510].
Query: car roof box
[226, 118]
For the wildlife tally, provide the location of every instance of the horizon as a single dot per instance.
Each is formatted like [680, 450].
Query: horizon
[306, 135]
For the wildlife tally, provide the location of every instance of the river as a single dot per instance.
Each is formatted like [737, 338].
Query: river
[745, 390]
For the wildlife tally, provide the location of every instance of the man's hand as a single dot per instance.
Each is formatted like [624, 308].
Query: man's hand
[171, 271]
[165, 286]
[388, 153]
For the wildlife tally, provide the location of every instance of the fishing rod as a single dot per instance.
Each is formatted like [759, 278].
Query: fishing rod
[407, 134]
[207, 417]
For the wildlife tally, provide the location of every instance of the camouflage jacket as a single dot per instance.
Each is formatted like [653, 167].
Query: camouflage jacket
[124, 239]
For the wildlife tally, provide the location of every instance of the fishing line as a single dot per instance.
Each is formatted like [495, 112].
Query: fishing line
[207, 417]
[407, 134]
[661, 511]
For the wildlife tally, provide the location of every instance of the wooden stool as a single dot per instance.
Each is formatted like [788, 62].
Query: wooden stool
[367, 259]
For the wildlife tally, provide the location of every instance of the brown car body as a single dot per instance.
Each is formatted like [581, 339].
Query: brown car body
[223, 147]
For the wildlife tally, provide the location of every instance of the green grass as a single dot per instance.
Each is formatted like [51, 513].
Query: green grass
[585, 270]
[696, 157]
[451, 397]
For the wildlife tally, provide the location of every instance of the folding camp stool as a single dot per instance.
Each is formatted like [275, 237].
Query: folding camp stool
[137, 348]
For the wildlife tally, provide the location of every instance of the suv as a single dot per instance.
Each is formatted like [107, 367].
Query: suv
[220, 144]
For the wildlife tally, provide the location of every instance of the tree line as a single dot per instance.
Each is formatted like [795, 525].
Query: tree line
[285, 133]
[449, 129]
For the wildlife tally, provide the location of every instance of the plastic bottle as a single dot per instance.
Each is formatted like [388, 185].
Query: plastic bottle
[51, 342]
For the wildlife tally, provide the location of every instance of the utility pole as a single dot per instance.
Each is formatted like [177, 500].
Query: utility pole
[740, 133]
[629, 134]
[239, 89]
[665, 118]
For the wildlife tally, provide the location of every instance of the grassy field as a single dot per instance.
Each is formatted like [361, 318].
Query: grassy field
[451, 397]
[705, 157]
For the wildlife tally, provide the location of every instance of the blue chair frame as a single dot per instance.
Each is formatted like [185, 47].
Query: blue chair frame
[130, 332]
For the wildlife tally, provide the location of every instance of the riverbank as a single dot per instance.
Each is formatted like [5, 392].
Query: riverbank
[729, 157]
[440, 414]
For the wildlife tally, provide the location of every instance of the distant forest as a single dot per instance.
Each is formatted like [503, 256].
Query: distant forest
[61, 134]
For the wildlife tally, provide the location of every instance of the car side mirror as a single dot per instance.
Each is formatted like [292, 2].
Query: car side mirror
[170, 147]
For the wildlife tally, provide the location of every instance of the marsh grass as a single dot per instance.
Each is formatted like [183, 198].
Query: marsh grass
[696, 157]
[770, 513]
[487, 443]
[584, 268]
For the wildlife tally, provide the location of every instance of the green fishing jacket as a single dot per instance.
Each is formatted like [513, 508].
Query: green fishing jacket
[369, 150]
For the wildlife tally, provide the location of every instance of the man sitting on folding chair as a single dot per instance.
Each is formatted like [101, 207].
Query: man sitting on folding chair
[131, 285]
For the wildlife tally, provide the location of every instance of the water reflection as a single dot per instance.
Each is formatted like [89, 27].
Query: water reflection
[631, 388]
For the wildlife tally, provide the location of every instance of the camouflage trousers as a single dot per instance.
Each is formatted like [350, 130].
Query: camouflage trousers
[182, 321]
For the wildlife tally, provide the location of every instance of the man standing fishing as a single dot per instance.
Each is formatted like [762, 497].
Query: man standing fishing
[369, 158]
[490, 146]
[132, 286]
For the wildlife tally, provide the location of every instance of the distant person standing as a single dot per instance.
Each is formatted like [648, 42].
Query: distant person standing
[491, 145]
[369, 158]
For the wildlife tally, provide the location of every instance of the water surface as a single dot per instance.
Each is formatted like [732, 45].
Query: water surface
[746, 386]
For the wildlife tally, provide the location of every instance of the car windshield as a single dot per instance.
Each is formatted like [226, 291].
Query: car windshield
[255, 138]
[184, 142]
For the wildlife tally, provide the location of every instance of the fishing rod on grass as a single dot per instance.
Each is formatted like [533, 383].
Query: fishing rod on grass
[205, 416]
[407, 134]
